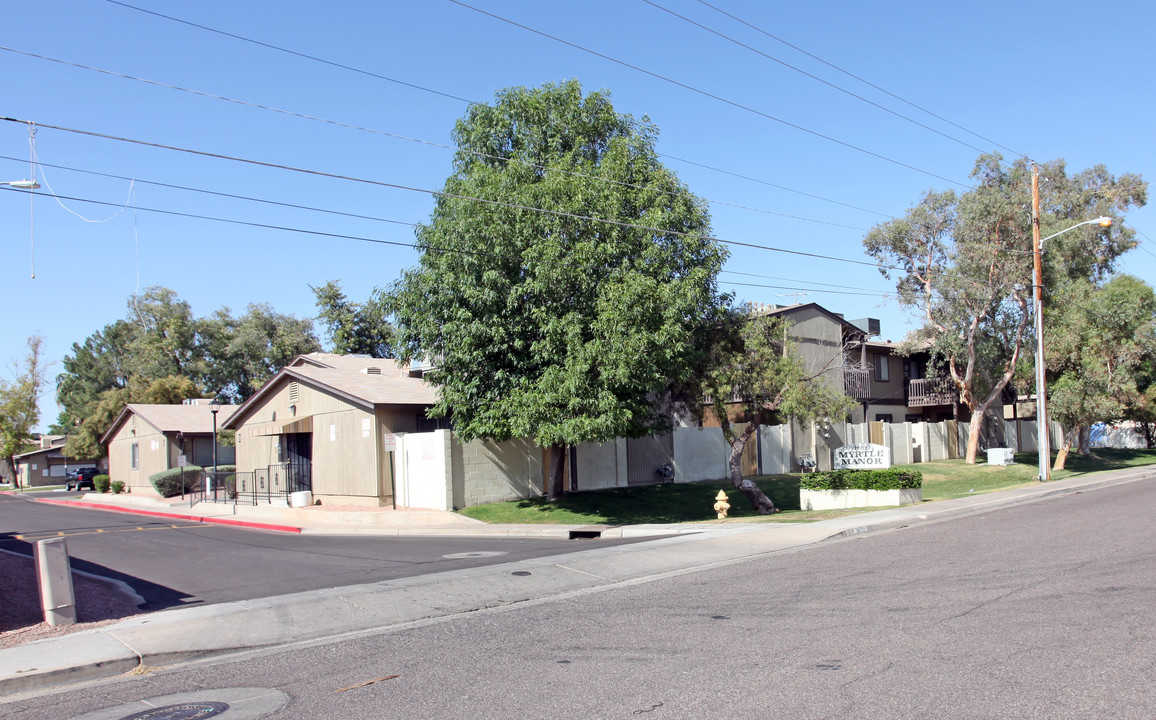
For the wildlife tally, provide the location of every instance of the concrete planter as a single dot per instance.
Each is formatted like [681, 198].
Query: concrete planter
[839, 499]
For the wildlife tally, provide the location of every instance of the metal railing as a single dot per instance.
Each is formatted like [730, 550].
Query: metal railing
[857, 383]
[270, 485]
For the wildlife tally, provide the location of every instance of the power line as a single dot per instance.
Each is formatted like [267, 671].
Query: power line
[704, 93]
[816, 78]
[434, 193]
[805, 289]
[376, 241]
[295, 53]
[810, 282]
[856, 77]
[396, 136]
[469, 102]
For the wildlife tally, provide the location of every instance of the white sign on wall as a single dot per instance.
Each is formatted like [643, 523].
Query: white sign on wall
[862, 456]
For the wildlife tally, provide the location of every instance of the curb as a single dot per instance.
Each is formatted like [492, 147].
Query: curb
[173, 516]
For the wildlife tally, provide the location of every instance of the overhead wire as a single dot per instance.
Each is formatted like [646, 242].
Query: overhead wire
[708, 94]
[434, 193]
[860, 79]
[556, 39]
[812, 76]
[385, 133]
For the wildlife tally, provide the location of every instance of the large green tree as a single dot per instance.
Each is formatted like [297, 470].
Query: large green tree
[567, 279]
[19, 408]
[754, 376]
[964, 262]
[1097, 341]
[353, 327]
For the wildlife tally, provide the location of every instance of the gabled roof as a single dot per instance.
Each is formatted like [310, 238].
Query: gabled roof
[792, 309]
[361, 380]
[187, 419]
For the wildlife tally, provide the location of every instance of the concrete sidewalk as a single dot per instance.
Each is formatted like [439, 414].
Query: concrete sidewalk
[174, 636]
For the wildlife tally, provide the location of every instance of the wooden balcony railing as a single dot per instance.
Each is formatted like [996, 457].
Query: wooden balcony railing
[931, 391]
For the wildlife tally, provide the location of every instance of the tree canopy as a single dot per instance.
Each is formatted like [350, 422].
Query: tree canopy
[19, 407]
[161, 349]
[964, 261]
[1096, 344]
[755, 375]
[353, 327]
[567, 279]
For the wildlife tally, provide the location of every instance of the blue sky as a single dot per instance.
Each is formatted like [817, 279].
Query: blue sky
[1044, 79]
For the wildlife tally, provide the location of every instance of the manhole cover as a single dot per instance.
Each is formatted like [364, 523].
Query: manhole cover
[183, 711]
[475, 554]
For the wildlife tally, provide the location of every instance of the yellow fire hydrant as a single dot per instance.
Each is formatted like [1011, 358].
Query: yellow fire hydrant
[721, 505]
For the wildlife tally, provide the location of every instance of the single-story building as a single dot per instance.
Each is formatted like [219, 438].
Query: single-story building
[146, 439]
[47, 464]
[325, 424]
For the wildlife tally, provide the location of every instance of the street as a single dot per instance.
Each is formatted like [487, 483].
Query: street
[1043, 610]
[175, 563]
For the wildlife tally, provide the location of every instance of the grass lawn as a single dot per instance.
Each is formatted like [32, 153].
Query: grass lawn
[693, 502]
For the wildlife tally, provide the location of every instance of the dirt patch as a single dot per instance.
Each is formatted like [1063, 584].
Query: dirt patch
[22, 620]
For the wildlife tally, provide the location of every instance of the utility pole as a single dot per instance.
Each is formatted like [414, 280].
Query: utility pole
[1045, 451]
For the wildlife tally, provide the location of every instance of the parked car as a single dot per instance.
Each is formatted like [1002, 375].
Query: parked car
[81, 478]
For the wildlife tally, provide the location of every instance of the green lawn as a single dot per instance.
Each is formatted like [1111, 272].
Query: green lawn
[693, 502]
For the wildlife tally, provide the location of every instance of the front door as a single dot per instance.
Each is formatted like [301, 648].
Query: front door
[297, 451]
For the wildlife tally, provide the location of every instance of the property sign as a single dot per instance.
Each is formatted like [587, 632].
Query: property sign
[389, 442]
[862, 456]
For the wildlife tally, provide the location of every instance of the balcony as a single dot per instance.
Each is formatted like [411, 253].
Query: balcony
[931, 391]
[857, 383]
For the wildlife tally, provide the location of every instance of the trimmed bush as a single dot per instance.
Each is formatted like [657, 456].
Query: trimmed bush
[176, 481]
[100, 483]
[117, 487]
[890, 479]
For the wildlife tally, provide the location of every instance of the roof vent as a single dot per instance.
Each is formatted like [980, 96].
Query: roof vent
[372, 371]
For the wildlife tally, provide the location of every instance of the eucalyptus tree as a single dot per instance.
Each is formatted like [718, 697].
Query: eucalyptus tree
[963, 261]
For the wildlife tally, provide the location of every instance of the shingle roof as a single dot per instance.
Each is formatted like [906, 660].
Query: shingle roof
[346, 375]
[181, 418]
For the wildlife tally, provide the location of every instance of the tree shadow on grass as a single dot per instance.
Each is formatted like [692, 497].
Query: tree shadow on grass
[661, 504]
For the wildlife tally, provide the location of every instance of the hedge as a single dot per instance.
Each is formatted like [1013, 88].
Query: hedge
[100, 483]
[891, 479]
[176, 481]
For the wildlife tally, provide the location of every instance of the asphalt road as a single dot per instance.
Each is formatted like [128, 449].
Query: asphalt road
[1043, 610]
[175, 563]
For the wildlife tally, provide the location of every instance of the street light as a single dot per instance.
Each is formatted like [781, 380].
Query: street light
[214, 407]
[29, 185]
[1042, 442]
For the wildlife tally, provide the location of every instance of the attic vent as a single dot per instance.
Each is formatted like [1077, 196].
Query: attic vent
[372, 371]
[294, 391]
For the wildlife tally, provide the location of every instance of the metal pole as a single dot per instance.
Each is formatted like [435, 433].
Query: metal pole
[214, 481]
[1045, 453]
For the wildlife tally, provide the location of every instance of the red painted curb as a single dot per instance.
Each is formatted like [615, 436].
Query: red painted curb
[175, 516]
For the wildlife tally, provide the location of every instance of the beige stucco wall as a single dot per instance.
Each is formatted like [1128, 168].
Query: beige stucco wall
[350, 464]
[820, 342]
[156, 454]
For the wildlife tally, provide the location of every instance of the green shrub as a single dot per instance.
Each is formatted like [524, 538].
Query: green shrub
[117, 487]
[176, 481]
[100, 483]
[891, 479]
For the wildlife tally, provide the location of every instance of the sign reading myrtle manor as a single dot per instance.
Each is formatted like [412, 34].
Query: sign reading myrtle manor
[862, 456]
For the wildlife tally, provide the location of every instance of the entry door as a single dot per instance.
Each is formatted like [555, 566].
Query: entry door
[298, 456]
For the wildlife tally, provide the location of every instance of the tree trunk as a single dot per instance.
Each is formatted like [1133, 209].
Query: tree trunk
[973, 433]
[10, 471]
[1086, 440]
[557, 473]
[1062, 455]
[761, 503]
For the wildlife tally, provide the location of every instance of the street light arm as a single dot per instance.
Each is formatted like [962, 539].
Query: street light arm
[1102, 221]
